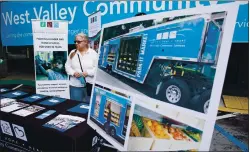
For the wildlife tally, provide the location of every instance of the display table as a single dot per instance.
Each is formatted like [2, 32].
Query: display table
[40, 138]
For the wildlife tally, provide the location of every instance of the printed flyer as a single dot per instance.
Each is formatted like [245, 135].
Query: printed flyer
[34, 98]
[3, 90]
[13, 106]
[64, 122]
[28, 111]
[81, 108]
[6, 102]
[50, 39]
[172, 65]
[14, 94]
[46, 114]
[52, 101]
[94, 29]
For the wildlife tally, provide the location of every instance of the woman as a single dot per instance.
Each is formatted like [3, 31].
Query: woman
[81, 63]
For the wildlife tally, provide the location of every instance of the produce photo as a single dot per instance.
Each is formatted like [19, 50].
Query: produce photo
[152, 131]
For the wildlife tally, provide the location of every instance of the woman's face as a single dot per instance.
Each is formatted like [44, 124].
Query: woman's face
[81, 42]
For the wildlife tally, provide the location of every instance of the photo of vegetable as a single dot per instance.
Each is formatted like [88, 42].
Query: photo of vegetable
[152, 131]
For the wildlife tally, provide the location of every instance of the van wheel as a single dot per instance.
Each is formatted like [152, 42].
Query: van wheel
[175, 91]
[203, 101]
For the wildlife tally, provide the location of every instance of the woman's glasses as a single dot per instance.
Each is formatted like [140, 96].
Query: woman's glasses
[78, 42]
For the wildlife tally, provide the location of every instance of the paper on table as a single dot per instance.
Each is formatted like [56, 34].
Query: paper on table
[28, 111]
[14, 106]
[64, 122]
[6, 102]
[84, 106]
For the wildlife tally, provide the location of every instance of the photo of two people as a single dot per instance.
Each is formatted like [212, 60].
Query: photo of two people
[50, 65]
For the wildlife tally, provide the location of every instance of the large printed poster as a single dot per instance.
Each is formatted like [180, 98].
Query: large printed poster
[50, 40]
[169, 68]
[16, 20]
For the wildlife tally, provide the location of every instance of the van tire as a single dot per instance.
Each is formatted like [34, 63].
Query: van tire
[203, 101]
[175, 91]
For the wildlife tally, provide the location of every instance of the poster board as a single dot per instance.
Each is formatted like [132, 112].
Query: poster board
[50, 39]
[162, 43]
[94, 29]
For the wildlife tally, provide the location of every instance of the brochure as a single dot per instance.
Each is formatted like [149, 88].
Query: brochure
[28, 111]
[33, 98]
[14, 106]
[14, 94]
[46, 114]
[6, 102]
[52, 101]
[3, 90]
[80, 108]
[64, 122]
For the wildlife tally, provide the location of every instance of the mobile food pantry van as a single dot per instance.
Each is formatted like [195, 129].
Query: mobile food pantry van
[177, 58]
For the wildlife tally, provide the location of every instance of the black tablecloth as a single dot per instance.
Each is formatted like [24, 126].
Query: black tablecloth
[39, 138]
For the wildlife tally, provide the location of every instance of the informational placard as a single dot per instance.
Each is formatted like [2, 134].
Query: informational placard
[50, 39]
[94, 24]
[159, 79]
[94, 29]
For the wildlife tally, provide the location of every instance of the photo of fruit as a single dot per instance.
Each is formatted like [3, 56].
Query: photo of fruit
[158, 129]
[152, 131]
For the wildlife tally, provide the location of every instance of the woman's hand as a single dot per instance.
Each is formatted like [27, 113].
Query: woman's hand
[85, 74]
[77, 75]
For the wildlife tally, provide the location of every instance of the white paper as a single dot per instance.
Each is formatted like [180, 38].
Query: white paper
[14, 106]
[84, 106]
[64, 122]
[6, 102]
[94, 24]
[28, 111]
